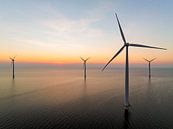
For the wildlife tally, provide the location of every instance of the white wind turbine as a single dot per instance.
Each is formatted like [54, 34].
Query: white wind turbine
[84, 65]
[149, 66]
[127, 45]
[12, 61]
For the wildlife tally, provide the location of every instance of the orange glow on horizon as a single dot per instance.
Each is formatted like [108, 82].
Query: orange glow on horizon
[78, 61]
[163, 58]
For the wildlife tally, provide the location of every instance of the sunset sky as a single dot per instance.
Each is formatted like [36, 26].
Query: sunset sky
[60, 31]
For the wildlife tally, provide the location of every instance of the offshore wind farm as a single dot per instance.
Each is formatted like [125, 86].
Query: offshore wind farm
[54, 84]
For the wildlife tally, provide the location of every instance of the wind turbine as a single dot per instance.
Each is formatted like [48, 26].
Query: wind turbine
[127, 45]
[12, 61]
[149, 66]
[84, 65]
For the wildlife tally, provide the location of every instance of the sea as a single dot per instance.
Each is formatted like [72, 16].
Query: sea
[50, 98]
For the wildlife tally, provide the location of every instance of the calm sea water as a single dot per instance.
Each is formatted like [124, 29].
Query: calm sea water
[61, 99]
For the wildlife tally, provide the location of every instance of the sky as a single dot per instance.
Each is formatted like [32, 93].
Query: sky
[60, 31]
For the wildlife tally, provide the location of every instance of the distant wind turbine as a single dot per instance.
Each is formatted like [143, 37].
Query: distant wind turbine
[84, 65]
[127, 45]
[12, 61]
[149, 66]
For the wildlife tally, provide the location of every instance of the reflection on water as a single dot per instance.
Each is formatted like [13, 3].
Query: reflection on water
[149, 90]
[12, 88]
[63, 99]
[85, 88]
[13, 83]
[126, 119]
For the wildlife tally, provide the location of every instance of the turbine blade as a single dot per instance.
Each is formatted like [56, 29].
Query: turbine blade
[88, 58]
[14, 57]
[121, 31]
[140, 45]
[152, 60]
[10, 58]
[82, 59]
[114, 57]
[146, 59]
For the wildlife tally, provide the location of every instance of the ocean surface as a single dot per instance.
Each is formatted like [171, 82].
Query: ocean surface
[61, 99]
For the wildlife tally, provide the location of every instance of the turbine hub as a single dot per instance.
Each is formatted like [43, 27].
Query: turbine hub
[127, 44]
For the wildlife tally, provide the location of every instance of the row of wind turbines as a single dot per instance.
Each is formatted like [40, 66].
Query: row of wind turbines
[85, 66]
[126, 46]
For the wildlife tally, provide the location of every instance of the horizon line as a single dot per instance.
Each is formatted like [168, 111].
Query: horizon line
[78, 63]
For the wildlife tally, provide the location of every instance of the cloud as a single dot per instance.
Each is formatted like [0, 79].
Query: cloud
[77, 29]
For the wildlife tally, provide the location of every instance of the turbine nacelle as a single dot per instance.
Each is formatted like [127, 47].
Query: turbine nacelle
[12, 59]
[149, 61]
[127, 44]
[85, 60]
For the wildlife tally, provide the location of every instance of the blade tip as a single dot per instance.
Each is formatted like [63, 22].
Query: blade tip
[103, 69]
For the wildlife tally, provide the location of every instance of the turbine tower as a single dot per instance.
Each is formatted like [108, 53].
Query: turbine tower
[84, 65]
[12, 61]
[127, 45]
[149, 66]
